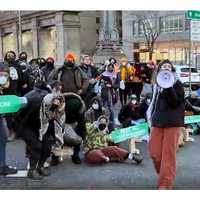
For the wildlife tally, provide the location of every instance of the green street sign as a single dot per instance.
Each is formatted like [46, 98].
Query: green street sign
[137, 131]
[193, 14]
[11, 103]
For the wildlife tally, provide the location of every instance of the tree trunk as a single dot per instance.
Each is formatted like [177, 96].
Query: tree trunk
[150, 54]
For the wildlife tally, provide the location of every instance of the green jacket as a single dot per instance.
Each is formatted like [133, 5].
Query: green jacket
[95, 139]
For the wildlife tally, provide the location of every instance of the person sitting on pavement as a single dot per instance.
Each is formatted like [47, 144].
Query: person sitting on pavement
[129, 115]
[4, 83]
[97, 149]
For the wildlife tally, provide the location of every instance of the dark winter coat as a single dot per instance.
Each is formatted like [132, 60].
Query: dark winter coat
[169, 109]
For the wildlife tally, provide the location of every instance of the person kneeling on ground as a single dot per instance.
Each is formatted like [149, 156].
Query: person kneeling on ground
[96, 145]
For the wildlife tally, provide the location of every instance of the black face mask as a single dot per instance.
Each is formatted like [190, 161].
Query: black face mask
[102, 127]
[11, 60]
[23, 58]
[69, 64]
[49, 64]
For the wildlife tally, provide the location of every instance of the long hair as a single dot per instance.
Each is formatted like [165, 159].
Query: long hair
[157, 70]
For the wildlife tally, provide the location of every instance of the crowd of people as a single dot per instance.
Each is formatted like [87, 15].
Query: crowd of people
[75, 105]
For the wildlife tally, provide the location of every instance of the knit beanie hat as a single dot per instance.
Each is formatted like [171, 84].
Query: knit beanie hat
[70, 57]
[73, 104]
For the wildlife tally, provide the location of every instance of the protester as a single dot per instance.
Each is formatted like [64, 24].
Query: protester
[35, 73]
[95, 111]
[52, 117]
[166, 116]
[96, 145]
[37, 151]
[126, 76]
[41, 62]
[4, 84]
[71, 76]
[129, 115]
[75, 114]
[48, 68]
[137, 84]
[113, 61]
[109, 84]
[17, 84]
[92, 74]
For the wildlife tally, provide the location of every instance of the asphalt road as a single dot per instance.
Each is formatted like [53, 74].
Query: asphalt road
[110, 176]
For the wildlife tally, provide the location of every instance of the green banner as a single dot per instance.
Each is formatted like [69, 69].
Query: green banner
[192, 119]
[137, 131]
[9, 104]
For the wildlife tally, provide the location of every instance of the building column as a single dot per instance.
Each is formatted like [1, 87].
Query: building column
[72, 34]
[60, 39]
[1, 46]
[16, 42]
[35, 38]
[128, 39]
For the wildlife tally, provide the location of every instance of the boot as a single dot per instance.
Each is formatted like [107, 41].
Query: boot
[43, 171]
[137, 158]
[76, 159]
[33, 174]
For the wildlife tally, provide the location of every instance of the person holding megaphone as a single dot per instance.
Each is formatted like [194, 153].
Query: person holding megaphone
[165, 116]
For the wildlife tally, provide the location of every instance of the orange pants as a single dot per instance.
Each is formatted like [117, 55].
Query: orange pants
[162, 147]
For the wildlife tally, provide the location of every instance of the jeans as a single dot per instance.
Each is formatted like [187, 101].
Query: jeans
[3, 141]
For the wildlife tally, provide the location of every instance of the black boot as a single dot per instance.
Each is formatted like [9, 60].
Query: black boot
[54, 160]
[75, 158]
[137, 158]
[32, 172]
[44, 171]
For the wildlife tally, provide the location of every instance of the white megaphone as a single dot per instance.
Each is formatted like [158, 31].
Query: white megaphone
[165, 79]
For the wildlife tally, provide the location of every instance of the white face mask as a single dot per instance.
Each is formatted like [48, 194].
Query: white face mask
[148, 101]
[133, 101]
[3, 80]
[95, 106]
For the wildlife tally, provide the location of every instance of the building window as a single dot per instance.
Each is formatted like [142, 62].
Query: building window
[134, 27]
[140, 28]
[97, 20]
[171, 24]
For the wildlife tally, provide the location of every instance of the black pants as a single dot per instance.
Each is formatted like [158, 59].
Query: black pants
[80, 130]
[123, 94]
[37, 151]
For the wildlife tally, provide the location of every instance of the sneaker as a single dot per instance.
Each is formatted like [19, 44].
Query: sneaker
[44, 171]
[33, 174]
[76, 160]
[137, 158]
[6, 170]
